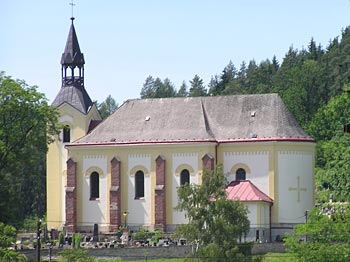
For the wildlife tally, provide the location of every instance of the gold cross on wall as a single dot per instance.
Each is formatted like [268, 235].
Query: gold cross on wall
[298, 188]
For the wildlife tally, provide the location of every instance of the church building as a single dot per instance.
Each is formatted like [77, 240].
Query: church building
[126, 170]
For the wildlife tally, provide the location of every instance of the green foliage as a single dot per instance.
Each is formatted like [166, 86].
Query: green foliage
[330, 119]
[7, 235]
[182, 92]
[107, 107]
[11, 255]
[60, 239]
[27, 125]
[156, 235]
[76, 240]
[215, 223]
[7, 239]
[318, 252]
[142, 234]
[216, 253]
[30, 223]
[156, 88]
[197, 87]
[332, 167]
[332, 174]
[76, 255]
[279, 257]
[325, 237]
[216, 87]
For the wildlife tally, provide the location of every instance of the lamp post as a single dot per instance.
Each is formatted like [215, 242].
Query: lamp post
[38, 233]
[125, 214]
[306, 217]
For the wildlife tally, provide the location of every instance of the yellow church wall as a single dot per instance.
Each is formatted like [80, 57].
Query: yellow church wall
[123, 153]
[56, 162]
[268, 150]
[53, 186]
[273, 148]
[292, 148]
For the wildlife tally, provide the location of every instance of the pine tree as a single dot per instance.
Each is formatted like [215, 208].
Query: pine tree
[148, 90]
[197, 87]
[182, 92]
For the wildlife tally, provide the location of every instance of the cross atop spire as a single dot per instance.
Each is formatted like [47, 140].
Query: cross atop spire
[72, 4]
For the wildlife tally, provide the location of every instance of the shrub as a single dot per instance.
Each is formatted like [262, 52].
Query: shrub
[215, 253]
[76, 240]
[60, 239]
[10, 255]
[7, 235]
[141, 235]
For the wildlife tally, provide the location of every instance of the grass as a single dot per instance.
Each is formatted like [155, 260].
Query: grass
[122, 260]
[279, 257]
[140, 260]
[269, 257]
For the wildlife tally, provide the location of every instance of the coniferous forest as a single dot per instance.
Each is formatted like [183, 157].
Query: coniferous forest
[313, 82]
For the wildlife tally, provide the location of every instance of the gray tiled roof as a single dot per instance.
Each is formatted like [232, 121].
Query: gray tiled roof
[77, 97]
[198, 119]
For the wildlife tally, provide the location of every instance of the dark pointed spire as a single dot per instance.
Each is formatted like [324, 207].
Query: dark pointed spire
[72, 56]
[73, 91]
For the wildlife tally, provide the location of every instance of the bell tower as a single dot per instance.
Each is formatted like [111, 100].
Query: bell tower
[78, 115]
[72, 61]
[73, 90]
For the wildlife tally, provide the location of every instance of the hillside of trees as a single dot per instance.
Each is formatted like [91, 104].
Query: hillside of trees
[313, 83]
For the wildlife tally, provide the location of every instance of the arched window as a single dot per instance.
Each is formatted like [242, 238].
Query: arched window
[139, 185]
[240, 174]
[66, 134]
[184, 177]
[94, 186]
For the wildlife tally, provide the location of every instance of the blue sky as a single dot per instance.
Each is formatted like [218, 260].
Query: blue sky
[125, 41]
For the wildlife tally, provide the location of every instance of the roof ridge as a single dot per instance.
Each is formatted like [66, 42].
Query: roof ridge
[206, 121]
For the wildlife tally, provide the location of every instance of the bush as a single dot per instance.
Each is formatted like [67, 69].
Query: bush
[60, 239]
[141, 235]
[320, 252]
[76, 240]
[10, 255]
[215, 253]
[156, 235]
[327, 235]
[7, 235]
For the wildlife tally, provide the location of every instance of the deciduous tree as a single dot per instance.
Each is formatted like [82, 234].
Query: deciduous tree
[215, 223]
[27, 126]
[325, 237]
